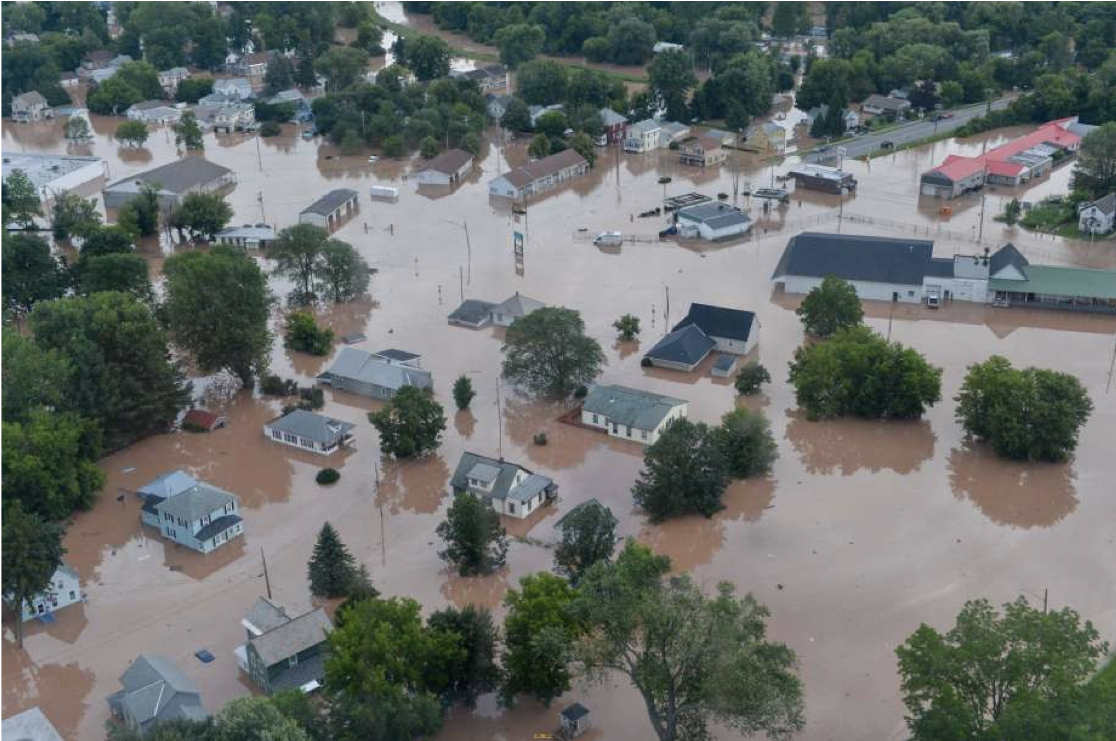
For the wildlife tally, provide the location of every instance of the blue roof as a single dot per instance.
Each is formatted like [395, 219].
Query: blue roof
[717, 321]
[688, 345]
[169, 484]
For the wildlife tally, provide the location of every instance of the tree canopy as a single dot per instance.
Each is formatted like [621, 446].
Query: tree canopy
[474, 538]
[539, 632]
[588, 536]
[31, 273]
[548, 353]
[201, 215]
[410, 424]
[684, 472]
[831, 306]
[32, 551]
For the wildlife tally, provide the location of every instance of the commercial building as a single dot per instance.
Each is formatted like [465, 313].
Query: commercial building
[53, 174]
[712, 221]
[630, 414]
[328, 210]
[511, 489]
[825, 179]
[172, 181]
[539, 176]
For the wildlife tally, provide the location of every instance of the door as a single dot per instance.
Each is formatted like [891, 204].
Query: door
[615, 429]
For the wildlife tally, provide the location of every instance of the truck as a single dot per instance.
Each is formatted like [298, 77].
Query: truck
[609, 239]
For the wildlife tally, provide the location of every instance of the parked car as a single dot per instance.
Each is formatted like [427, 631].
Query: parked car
[887, 144]
[609, 238]
[933, 302]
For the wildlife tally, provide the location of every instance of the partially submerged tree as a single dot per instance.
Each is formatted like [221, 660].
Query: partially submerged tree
[539, 632]
[627, 326]
[33, 378]
[256, 719]
[1095, 174]
[188, 134]
[49, 463]
[73, 216]
[331, 567]
[304, 335]
[201, 215]
[588, 536]
[132, 133]
[831, 306]
[411, 424]
[123, 272]
[342, 273]
[548, 353]
[751, 378]
[475, 671]
[31, 274]
[20, 200]
[463, 393]
[684, 472]
[32, 551]
[694, 659]
[77, 129]
[746, 444]
[475, 541]
[140, 215]
[296, 251]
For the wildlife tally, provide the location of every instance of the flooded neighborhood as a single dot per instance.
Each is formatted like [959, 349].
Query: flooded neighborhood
[862, 530]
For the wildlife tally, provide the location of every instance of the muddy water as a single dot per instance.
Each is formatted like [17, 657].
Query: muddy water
[862, 531]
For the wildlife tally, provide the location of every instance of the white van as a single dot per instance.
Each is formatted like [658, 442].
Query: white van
[609, 239]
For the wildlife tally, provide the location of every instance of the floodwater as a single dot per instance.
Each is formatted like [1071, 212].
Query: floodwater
[862, 531]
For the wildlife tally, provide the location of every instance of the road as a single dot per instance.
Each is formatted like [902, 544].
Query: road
[908, 132]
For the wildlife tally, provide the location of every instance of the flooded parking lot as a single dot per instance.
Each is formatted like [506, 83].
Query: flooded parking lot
[862, 531]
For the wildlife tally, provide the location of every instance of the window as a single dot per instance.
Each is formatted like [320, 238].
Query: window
[277, 434]
[293, 661]
[910, 293]
[72, 594]
[511, 507]
[643, 434]
[629, 427]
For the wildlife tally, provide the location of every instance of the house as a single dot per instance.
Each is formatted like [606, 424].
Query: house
[98, 76]
[472, 313]
[249, 236]
[703, 152]
[30, 107]
[1097, 217]
[682, 349]
[252, 65]
[155, 691]
[497, 105]
[328, 210]
[614, 127]
[30, 725]
[514, 307]
[488, 79]
[1013, 281]
[643, 136]
[448, 168]
[94, 60]
[69, 79]
[1012, 164]
[851, 119]
[169, 79]
[538, 111]
[153, 112]
[173, 180]
[200, 419]
[629, 413]
[575, 720]
[712, 220]
[671, 132]
[539, 176]
[511, 489]
[727, 139]
[885, 105]
[53, 174]
[361, 372]
[295, 98]
[235, 88]
[166, 486]
[201, 517]
[661, 46]
[823, 178]
[767, 137]
[229, 117]
[706, 328]
[282, 652]
[310, 431]
[64, 590]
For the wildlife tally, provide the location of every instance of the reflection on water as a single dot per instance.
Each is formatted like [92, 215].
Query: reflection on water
[483, 591]
[848, 445]
[1023, 495]
[59, 690]
[465, 423]
[415, 486]
[200, 565]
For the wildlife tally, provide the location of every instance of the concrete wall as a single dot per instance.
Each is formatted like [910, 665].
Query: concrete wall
[315, 219]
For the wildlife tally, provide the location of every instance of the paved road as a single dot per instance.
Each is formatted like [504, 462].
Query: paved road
[909, 132]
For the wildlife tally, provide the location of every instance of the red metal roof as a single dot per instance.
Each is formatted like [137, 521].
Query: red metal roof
[996, 161]
[201, 418]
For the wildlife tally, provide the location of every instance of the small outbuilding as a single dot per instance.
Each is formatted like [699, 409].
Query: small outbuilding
[201, 420]
[712, 221]
[328, 210]
[448, 168]
[575, 720]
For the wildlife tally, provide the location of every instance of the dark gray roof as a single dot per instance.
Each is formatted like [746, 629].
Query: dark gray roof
[330, 202]
[155, 689]
[362, 366]
[627, 406]
[717, 215]
[292, 637]
[724, 361]
[179, 176]
[220, 525]
[518, 305]
[265, 615]
[308, 669]
[196, 502]
[575, 712]
[940, 267]
[688, 346]
[504, 486]
[1006, 255]
[1105, 205]
[400, 356]
[717, 321]
[857, 257]
[449, 162]
[312, 426]
[471, 311]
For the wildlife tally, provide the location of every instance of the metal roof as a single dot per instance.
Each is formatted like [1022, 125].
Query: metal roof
[362, 366]
[176, 177]
[631, 407]
[715, 214]
[399, 356]
[42, 169]
[1053, 280]
[30, 725]
[169, 484]
[857, 257]
[196, 502]
[688, 346]
[718, 321]
[312, 426]
[1006, 255]
[518, 305]
[330, 202]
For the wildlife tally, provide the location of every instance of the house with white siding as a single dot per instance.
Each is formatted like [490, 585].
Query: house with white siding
[1099, 216]
[643, 136]
[64, 590]
[200, 517]
[539, 176]
[630, 414]
[307, 430]
[511, 489]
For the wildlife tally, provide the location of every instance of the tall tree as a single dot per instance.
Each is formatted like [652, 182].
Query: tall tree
[588, 536]
[427, 56]
[188, 134]
[256, 719]
[73, 216]
[342, 66]
[280, 75]
[539, 632]
[684, 472]
[108, 240]
[31, 274]
[304, 335]
[671, 74]
[48, 463]
[548, 353]
[342, 272]
[20, 200]
[201, 215]
[831, 306]
[297, 252]
[474, 671]
[411, 424]
[963, 683]
[693, 658]
[123, 272]
[517, 117]
[331, 566]
[77, 129]
[475, 541]
[1095, 174]
[216, 308]
[746, 444]
[520, 42]
[32, 551]
[128, 381]
[463, 392]
[541, 82]
[140, 215]
[33, 378]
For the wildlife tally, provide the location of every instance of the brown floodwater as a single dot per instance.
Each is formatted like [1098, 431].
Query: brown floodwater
[862, 531]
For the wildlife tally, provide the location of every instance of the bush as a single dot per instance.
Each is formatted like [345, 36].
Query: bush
[463, 392]
[193, 427]
[581, 392]
[273, 385]
[746, 444]
[304, 335]
[393, 146]
[270, 128]
[312, 397]
[328, 476]
[540, 438]
[750, 378]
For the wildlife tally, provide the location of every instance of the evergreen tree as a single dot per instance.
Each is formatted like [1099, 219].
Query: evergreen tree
[331, 566]
[475, 541]
[463, 392]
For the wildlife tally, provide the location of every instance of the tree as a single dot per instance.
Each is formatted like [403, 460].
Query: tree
[474, 671]
[32, 551]
[471, 143]
[193, 89]
[693, 658]
[49, 464]
[303, 709]
[427, 56]
[628, 327]
[113, 96]
[21, 201]
[516, 116]
[256, 719]
[108, 240]
[331, 566]
[548, 352]
[31, 273]
[1012, 211]
[475, 540]
[342, 66]
[123, 272]
[201, 215]
[370, 38]
[787, 18]
[858, 373]
[296, 251]
[305, 75]
[429, 148]
[671, 76]
[140, 215]
[188, 134]
[304, 335]
[630, 41]
[684, 472]
[539, 147]
[33, 378]
[77, 129]
[1095, 175]
[831, 306]
[410, 424]
[73, 216]
[584, 145]
[750, 378]
[216, 308]
[463, 392]
[541, 81]
[519, 42]
[964, 683]
[588, 536]
[746, 444]
[279, 76]
[342, 272]
[993, 395]
[383, 670]
[539, 632]
[127, 382]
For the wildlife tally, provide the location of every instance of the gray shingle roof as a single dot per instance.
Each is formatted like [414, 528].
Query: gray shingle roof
[645, 126]
[1105, 205]
[360, 365]
[857, 257]
[265, 615]
[293, 636]
[449, 162]
[169, 484]
[717, 215]
[472, 311]
[610, 117]
[688, 346]
[503, 487]
[330, 202]
[180, 175]
[155, 689]
[31, 98]
[517, 305]
[312, 426]
[196, 502]
[399, 356]
[642, 410]
[718, 321]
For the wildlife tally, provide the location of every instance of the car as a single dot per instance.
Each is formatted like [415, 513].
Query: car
[933, 302]
[887, 144]
[609, 238]
[947, 114]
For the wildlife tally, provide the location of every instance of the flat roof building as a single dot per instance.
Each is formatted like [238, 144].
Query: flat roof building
[825, 179]
[173, 180]
[54, 174]
[712, 220]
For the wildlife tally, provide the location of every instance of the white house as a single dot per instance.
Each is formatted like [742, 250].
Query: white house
[712, 220]
[169, 79]
[511, 489]
[448, 168]
[1097, 217]
[539, 176]
[705, 329]
[154, 112]
[30, 107]
[201, 517]
[630, 414]
[309, 431]
[252, 237]
[64, 590]
[661, 46]
[643, 136]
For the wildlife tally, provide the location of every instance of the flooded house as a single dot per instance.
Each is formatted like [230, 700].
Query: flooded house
[539, 176]
[448, 168]
[52, 174]
[885, 105]
[614, 127]
[169, 79]
[226, 116]
[712, 221]
[512, 308]
[575, 718]
[191, 513]
[330, 209]
[64, 590]
[155, 691]
[310, 431]
[823, 178]
[703, 152]
[31, 107]
[672, 132]
[1098, 217]
[767, 137]
[284, 652]
[377, 376]
[172, 180]
[249, 236]
[497, 105]
[153, 112]
[630, 414]
[704, 329]
[473, 312]
[30, 725]
[511, 489]
[490, 78]
[643, 136]
[231, 89]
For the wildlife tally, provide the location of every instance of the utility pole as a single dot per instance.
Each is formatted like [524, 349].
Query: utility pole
[980, 232]
[259, 155]
[383, 543]
[267, 579]
[500, 417]
[461, 280]
[666, 311]
[263, 215]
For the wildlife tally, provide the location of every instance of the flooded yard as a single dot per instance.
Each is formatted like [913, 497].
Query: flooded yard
[862, 531]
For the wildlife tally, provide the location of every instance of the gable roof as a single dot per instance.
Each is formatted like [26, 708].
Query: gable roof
[264, 615]
[362, 366]
[646, 126]
[1105, 205]
[33, 97]
[30, 725]
[540, 169]
[886, 102]
[688, 345]
[449, 162]
[312, 426]
[503, 486]
[292, 637]
[1054, 280]
[518, 305]
[643, 410]
[1005, 256]
[178, 176]
[196, 502]
[155, 689]
[330, 202]
[472, 311]
[169, 484]
[718, 321]
[202, 418]
[856, 257]
[610, 117]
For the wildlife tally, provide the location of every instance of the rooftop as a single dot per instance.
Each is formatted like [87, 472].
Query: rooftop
[30, 725]
[449, 162]
[362, 366]
[178, 176]
[156, 689]
[610, 117]
[688, 346]
[472, 311]
[43, 169]
[545, 167]
[312, 426]
[399, 356]
[821, 171]
[330, 202]
[714, 213]
[503, 484]
[169, 484]
[264, 615]
[1053, 280]
[643, 410]
[856, 257]
[518, 305]
[886, 102]
[31, 98]
[248, 231]
[645, 126]
[1011, 158]
[1105, 205]
[718, 321]
[196, 502]
[295, 635]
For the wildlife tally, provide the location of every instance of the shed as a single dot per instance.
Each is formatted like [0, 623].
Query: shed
[575, 720]
[328, 210]
[473, 313]
[205, 420]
